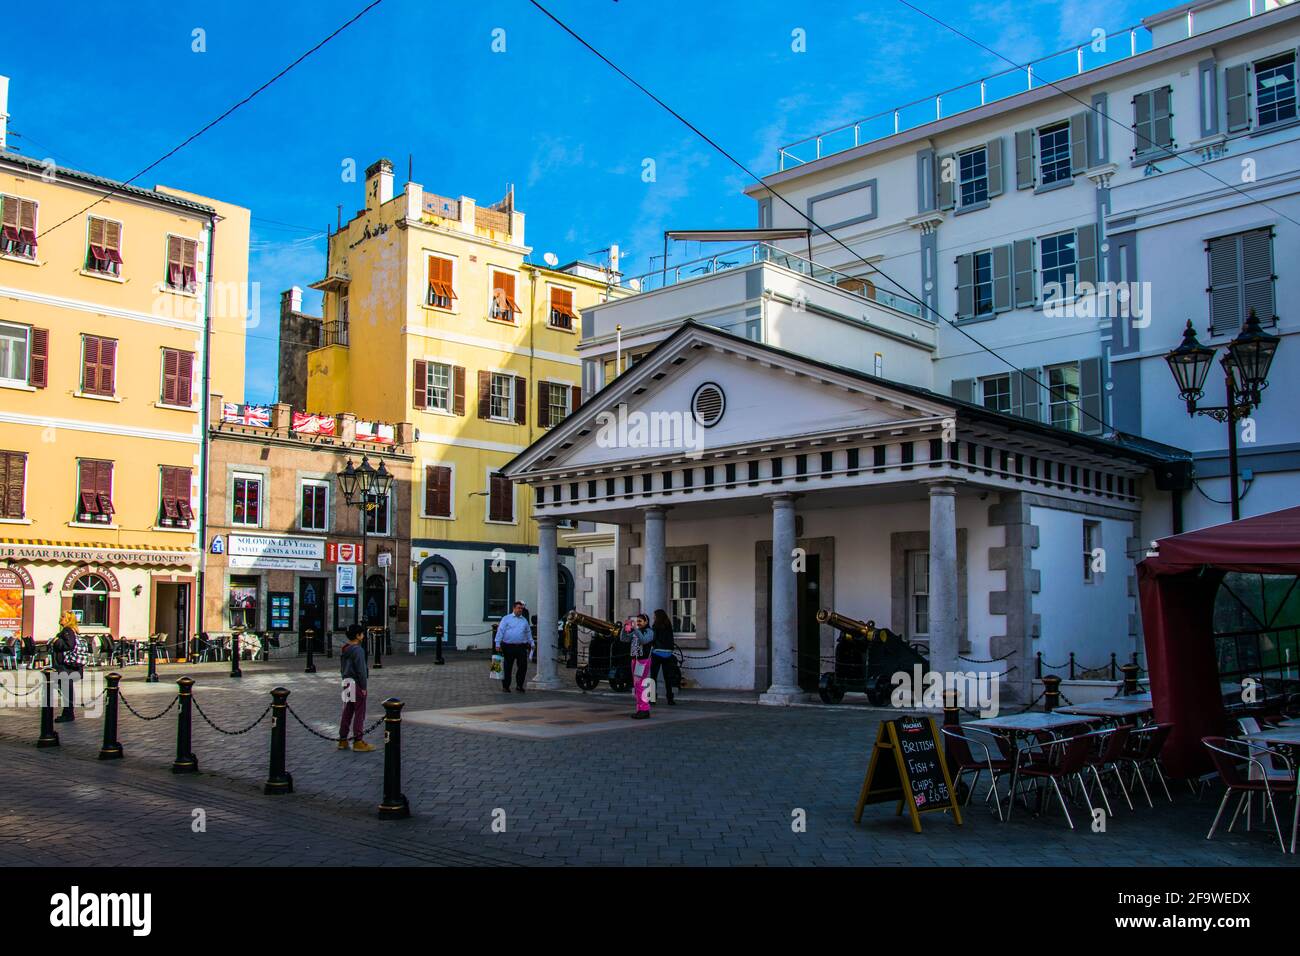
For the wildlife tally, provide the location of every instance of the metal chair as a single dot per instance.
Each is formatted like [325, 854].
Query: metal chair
[958, 745]
[1227, 756]
[1107, 757]
[1066, 761]
[1143, 753]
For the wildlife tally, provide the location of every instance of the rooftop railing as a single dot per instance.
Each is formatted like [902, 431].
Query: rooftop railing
[1102, 51]
[863, 287]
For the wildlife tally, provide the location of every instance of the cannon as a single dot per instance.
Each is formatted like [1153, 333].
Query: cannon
[866, 657]
[605, 657]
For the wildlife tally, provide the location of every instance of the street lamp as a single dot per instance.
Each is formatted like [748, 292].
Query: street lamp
[1245, 368]
[366, 489]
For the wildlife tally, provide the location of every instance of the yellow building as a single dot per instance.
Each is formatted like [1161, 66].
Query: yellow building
[106, 292]
[433, 315]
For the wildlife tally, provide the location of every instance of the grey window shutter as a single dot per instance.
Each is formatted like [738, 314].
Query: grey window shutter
[1022, 264]
[925, 191]
[1018, 384]
[1143, 136]
[947, 179]
[1236, 80]
[1030, 391]
[1257, 275]
[1085, 254]
[1002, 298]
[1090, 396]
[965, 286]
[1024, 159]
[993, 152]
[963, 388]
[1162, 120]
[1207, 75]
[1225, 285]
[1079, 141]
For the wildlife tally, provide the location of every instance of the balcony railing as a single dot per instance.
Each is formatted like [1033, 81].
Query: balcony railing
[862, 287]
[336, 332]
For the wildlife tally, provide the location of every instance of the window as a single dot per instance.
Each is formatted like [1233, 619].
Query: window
[983, 283]
[14, 351]
[1091, 543]
[315, 497]
[104, 246]
[996, 393]
[682, 596]
[440, 282]
[246, 501]
[13, 479]
[501, 498]
[1057, 262]
[918, 595]
[1241, 279]
[498, 589]
[973, 176]
[98, 365]
[553, 403]
[17, 227]
[1054, 153]
[1063, 400]
[174, 487]
[94, 491]
[562, 315]
[1153, 129]
[1275, 89]
[503, 306]
[177, 378]
[243, 601]
[438, 378]
[377, 518]
[182, 264]
[502, 397]
[90, 601]
[437, 491]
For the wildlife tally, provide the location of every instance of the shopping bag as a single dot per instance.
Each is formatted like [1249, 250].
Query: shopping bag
[498, 666]
[648, 688]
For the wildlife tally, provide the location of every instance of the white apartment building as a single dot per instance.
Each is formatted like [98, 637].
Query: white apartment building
[927, 400]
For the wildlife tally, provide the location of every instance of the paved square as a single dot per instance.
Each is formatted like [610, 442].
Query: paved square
[549, 719]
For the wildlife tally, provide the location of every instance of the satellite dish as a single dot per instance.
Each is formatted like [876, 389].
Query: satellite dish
[551, 259]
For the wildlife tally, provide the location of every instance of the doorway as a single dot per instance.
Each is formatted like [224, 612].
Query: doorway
[171, 615]
[566, 592]
[374, 612]
[437, 606]
[808, 637]
[311, 614]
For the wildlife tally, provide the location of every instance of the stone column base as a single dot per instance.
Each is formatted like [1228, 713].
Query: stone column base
[538, 682]
[781, 696]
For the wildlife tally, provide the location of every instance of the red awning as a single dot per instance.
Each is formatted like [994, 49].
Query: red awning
[1177, 588]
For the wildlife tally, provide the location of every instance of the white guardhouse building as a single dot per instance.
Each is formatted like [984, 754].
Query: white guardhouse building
[956, 525]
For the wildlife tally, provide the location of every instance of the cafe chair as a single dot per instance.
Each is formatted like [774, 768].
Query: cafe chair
[961, 761]
[1142, 755]
[1228, 756]
[1066, 763]
[1106, 758]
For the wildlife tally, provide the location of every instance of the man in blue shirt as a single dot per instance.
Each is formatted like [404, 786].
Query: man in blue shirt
[514, 640]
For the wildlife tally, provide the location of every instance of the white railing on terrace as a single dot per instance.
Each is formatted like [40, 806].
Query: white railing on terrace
[1113, 48]
[765, 252]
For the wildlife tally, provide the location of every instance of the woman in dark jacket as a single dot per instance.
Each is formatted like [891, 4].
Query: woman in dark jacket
[29, 651]
[661, 655]
[64, 651]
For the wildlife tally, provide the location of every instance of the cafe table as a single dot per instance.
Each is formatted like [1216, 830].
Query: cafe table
[1029, 722]
[1112, 708]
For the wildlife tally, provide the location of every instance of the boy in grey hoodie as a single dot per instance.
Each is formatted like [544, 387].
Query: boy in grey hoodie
[354, 669]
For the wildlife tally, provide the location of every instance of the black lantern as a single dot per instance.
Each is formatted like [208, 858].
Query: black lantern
[365, 478]
[1190, 364]
[1251, 354]
[348, 481]
[383, 481]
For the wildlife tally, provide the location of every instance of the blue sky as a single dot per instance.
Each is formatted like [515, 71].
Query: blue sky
[420, 77]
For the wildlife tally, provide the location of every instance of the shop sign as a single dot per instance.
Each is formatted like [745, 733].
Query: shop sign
[276, 546]
[342, 552]
[264, 563]
[72, 554]
[11, 603]
[345, 579]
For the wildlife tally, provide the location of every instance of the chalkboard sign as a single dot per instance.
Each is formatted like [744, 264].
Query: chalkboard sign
[907, 765]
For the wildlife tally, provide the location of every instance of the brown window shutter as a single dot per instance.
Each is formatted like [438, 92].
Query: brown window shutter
[175, 252]
[543, 406]
[170, 391]
[107, 366]
[575, 397]
[113, 236]
[89, 364]
[167, 494]
[38, 370]
[521, 400]
[458, 389]
[95, 237]
[444, 491]
[105, 487]
[430, 489]
[10, 213]
[185, 378]
[13, 472]
[484, 394]
[420, 389]
[499, 498]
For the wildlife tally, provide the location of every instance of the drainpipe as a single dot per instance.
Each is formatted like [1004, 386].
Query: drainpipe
[205, 424]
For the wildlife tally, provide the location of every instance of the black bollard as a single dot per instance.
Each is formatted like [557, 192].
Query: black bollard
[951, 712]
[48, 737]
[395, 805]
[152, 676]
[234, 655]
[437, 655]
[311, 664]
[278, 780]
[378, 637]
[329, 645]
[1130, 672]
[1051, 692]
[111, 748]
[185, 761]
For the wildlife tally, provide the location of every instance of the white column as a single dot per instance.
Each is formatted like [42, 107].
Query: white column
[943, 577]
[784, 688]
[548, 607]
[654, 566]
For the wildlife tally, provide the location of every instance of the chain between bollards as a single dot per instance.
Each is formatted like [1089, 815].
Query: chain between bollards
[111, 748]
[49, 737]
[185, 761]
[395, 805]
[278, 780]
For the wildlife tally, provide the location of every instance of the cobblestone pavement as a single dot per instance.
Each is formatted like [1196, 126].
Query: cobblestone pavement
[717, 791]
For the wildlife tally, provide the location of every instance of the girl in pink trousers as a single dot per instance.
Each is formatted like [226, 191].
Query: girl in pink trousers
[639, 635]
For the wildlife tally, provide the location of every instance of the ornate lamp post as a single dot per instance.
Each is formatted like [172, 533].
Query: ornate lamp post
[366, 489]
[1245, 368]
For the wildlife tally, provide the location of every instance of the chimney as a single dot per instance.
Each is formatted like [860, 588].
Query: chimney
[291, 301]
[379, 184]
[4, 108]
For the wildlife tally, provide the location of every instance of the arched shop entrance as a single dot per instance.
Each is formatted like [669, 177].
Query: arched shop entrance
[566, 594]
[435, 605]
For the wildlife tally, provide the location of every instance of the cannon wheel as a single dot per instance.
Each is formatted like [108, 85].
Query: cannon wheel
[620, 684]
[829, 691]
[585, 680]
[878, 695]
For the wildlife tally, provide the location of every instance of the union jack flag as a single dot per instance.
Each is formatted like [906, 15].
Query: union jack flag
[246, 414]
